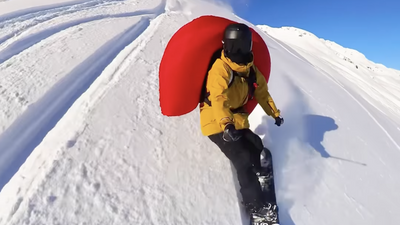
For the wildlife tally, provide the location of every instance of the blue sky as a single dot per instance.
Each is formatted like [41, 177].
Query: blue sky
[371, 27]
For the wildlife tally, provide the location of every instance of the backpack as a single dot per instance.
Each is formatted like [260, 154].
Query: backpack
[251, 80]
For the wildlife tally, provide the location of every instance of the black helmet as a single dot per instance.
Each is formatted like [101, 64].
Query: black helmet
[237, 39]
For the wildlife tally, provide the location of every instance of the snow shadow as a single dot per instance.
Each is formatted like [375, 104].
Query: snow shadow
[315, 128]
[28, 131]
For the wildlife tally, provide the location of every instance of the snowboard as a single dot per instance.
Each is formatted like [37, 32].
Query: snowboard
[266, 179]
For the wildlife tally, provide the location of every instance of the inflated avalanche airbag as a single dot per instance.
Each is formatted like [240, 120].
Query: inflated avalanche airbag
[185, 62]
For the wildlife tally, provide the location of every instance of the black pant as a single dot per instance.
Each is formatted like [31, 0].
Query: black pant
[245, 157]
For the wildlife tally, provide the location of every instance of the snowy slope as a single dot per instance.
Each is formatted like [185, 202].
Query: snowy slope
[83, 141]
[374, 82]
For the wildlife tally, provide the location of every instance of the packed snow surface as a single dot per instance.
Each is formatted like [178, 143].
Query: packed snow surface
[83, 140]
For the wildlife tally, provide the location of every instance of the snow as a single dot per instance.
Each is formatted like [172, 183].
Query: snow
[11, 8]
[83, 141]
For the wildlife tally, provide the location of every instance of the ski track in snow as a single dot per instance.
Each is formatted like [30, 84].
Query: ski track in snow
[21, 138]
[364, 108]
[34, 12]
[341, 86]
[32, 17]
[26, 42]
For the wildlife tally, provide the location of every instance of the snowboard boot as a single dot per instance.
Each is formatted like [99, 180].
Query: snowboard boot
[264, 176]
[266, 214]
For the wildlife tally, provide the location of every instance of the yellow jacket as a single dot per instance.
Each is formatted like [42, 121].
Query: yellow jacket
[214, 118]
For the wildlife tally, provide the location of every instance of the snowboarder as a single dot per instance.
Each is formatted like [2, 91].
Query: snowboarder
[232, 80]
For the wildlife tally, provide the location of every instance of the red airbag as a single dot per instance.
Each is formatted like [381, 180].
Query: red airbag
[185, 61]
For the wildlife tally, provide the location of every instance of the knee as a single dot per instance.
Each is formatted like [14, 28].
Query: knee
[245, 167]
[255, 140]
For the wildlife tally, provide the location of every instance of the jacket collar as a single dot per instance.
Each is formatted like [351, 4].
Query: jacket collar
[242, 69]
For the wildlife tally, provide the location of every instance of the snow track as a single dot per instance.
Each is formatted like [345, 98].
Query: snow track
[21, 44]
[22, 137]
[31, 17]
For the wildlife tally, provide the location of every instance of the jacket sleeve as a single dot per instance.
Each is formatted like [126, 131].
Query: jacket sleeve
[218, 80]
[263, 96]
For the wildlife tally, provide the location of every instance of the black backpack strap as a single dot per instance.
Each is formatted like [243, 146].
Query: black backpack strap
[252, 82]
[206, 99]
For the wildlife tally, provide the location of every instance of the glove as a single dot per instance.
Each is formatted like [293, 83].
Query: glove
[279, 121]
[231, 134]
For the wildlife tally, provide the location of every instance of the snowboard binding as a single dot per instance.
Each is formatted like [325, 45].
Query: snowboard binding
[267, 215]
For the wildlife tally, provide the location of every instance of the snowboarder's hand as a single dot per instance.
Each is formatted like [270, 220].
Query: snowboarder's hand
[231, 134]
[279, 121]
